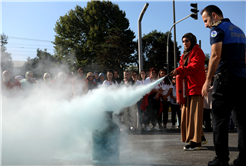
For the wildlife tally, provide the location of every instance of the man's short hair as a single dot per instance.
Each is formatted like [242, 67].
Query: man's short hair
[212, 8]
[134, 71]
[126, 71]
[28, 72]
[110, 71]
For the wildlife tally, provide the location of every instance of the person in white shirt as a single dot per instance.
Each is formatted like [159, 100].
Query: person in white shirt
[140, 124]
[174, 105]
[142, 77]
[28, 84]
[153, 104]
[129, 114]
[142, 115]
[166, 88]
[135, 77]
[110, 80]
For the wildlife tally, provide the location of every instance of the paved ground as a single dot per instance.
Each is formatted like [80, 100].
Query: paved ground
[165, 148]
[157, 148]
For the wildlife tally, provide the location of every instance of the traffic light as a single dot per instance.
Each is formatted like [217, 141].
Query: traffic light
[194, 10]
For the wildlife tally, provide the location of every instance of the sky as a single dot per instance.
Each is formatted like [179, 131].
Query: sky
[30, 24]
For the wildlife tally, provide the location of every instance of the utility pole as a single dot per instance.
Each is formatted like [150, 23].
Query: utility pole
[140, 56]
[174, 38]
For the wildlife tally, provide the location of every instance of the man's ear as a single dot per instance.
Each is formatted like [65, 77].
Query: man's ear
[214, 15]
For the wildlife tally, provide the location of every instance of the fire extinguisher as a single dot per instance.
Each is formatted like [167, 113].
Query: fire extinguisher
[180, 89]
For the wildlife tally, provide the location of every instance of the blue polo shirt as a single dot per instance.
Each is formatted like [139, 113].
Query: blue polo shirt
[233, 49]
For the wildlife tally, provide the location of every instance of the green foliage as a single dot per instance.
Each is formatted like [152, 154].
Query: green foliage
[132, 68]
[116, 52]
[154, 50]
[6, 59]
[43, 63]
[83, 34]
[207, 59]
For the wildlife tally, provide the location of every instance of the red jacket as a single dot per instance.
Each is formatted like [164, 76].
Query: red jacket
[145, 103]
[194, 71]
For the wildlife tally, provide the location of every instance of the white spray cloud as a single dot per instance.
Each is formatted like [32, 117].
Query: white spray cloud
[42, 126]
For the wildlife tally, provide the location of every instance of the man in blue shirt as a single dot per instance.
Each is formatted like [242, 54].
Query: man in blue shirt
[228, 64]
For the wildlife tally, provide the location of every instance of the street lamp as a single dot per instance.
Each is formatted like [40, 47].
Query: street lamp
[140, 57]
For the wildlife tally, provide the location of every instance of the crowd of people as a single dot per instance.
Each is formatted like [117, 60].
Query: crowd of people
[151, 109]
[215, 89]
[148, 114]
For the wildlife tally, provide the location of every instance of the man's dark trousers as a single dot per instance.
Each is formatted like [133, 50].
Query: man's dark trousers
[229, 95]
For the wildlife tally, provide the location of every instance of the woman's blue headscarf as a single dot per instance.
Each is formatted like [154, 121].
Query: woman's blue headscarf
[101, 74]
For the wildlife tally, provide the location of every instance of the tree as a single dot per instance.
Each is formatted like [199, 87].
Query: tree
[43, 63]
[82, 31]
[207, 59]
[116, 52]
[6, 59]
[154, 50]
[132, 68]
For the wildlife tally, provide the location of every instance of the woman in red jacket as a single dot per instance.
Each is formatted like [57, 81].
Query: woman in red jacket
[192, 69]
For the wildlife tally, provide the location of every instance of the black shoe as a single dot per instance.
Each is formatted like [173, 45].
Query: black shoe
[204, 141]
[217, 162]
[239, 162]
[192, 146]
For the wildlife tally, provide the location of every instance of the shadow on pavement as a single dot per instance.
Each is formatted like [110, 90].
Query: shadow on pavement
[235, 149]
[161, 132]
[138, 165]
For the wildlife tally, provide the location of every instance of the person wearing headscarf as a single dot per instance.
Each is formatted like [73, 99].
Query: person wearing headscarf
[191, 68]
[101, 78]
[47, 78]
